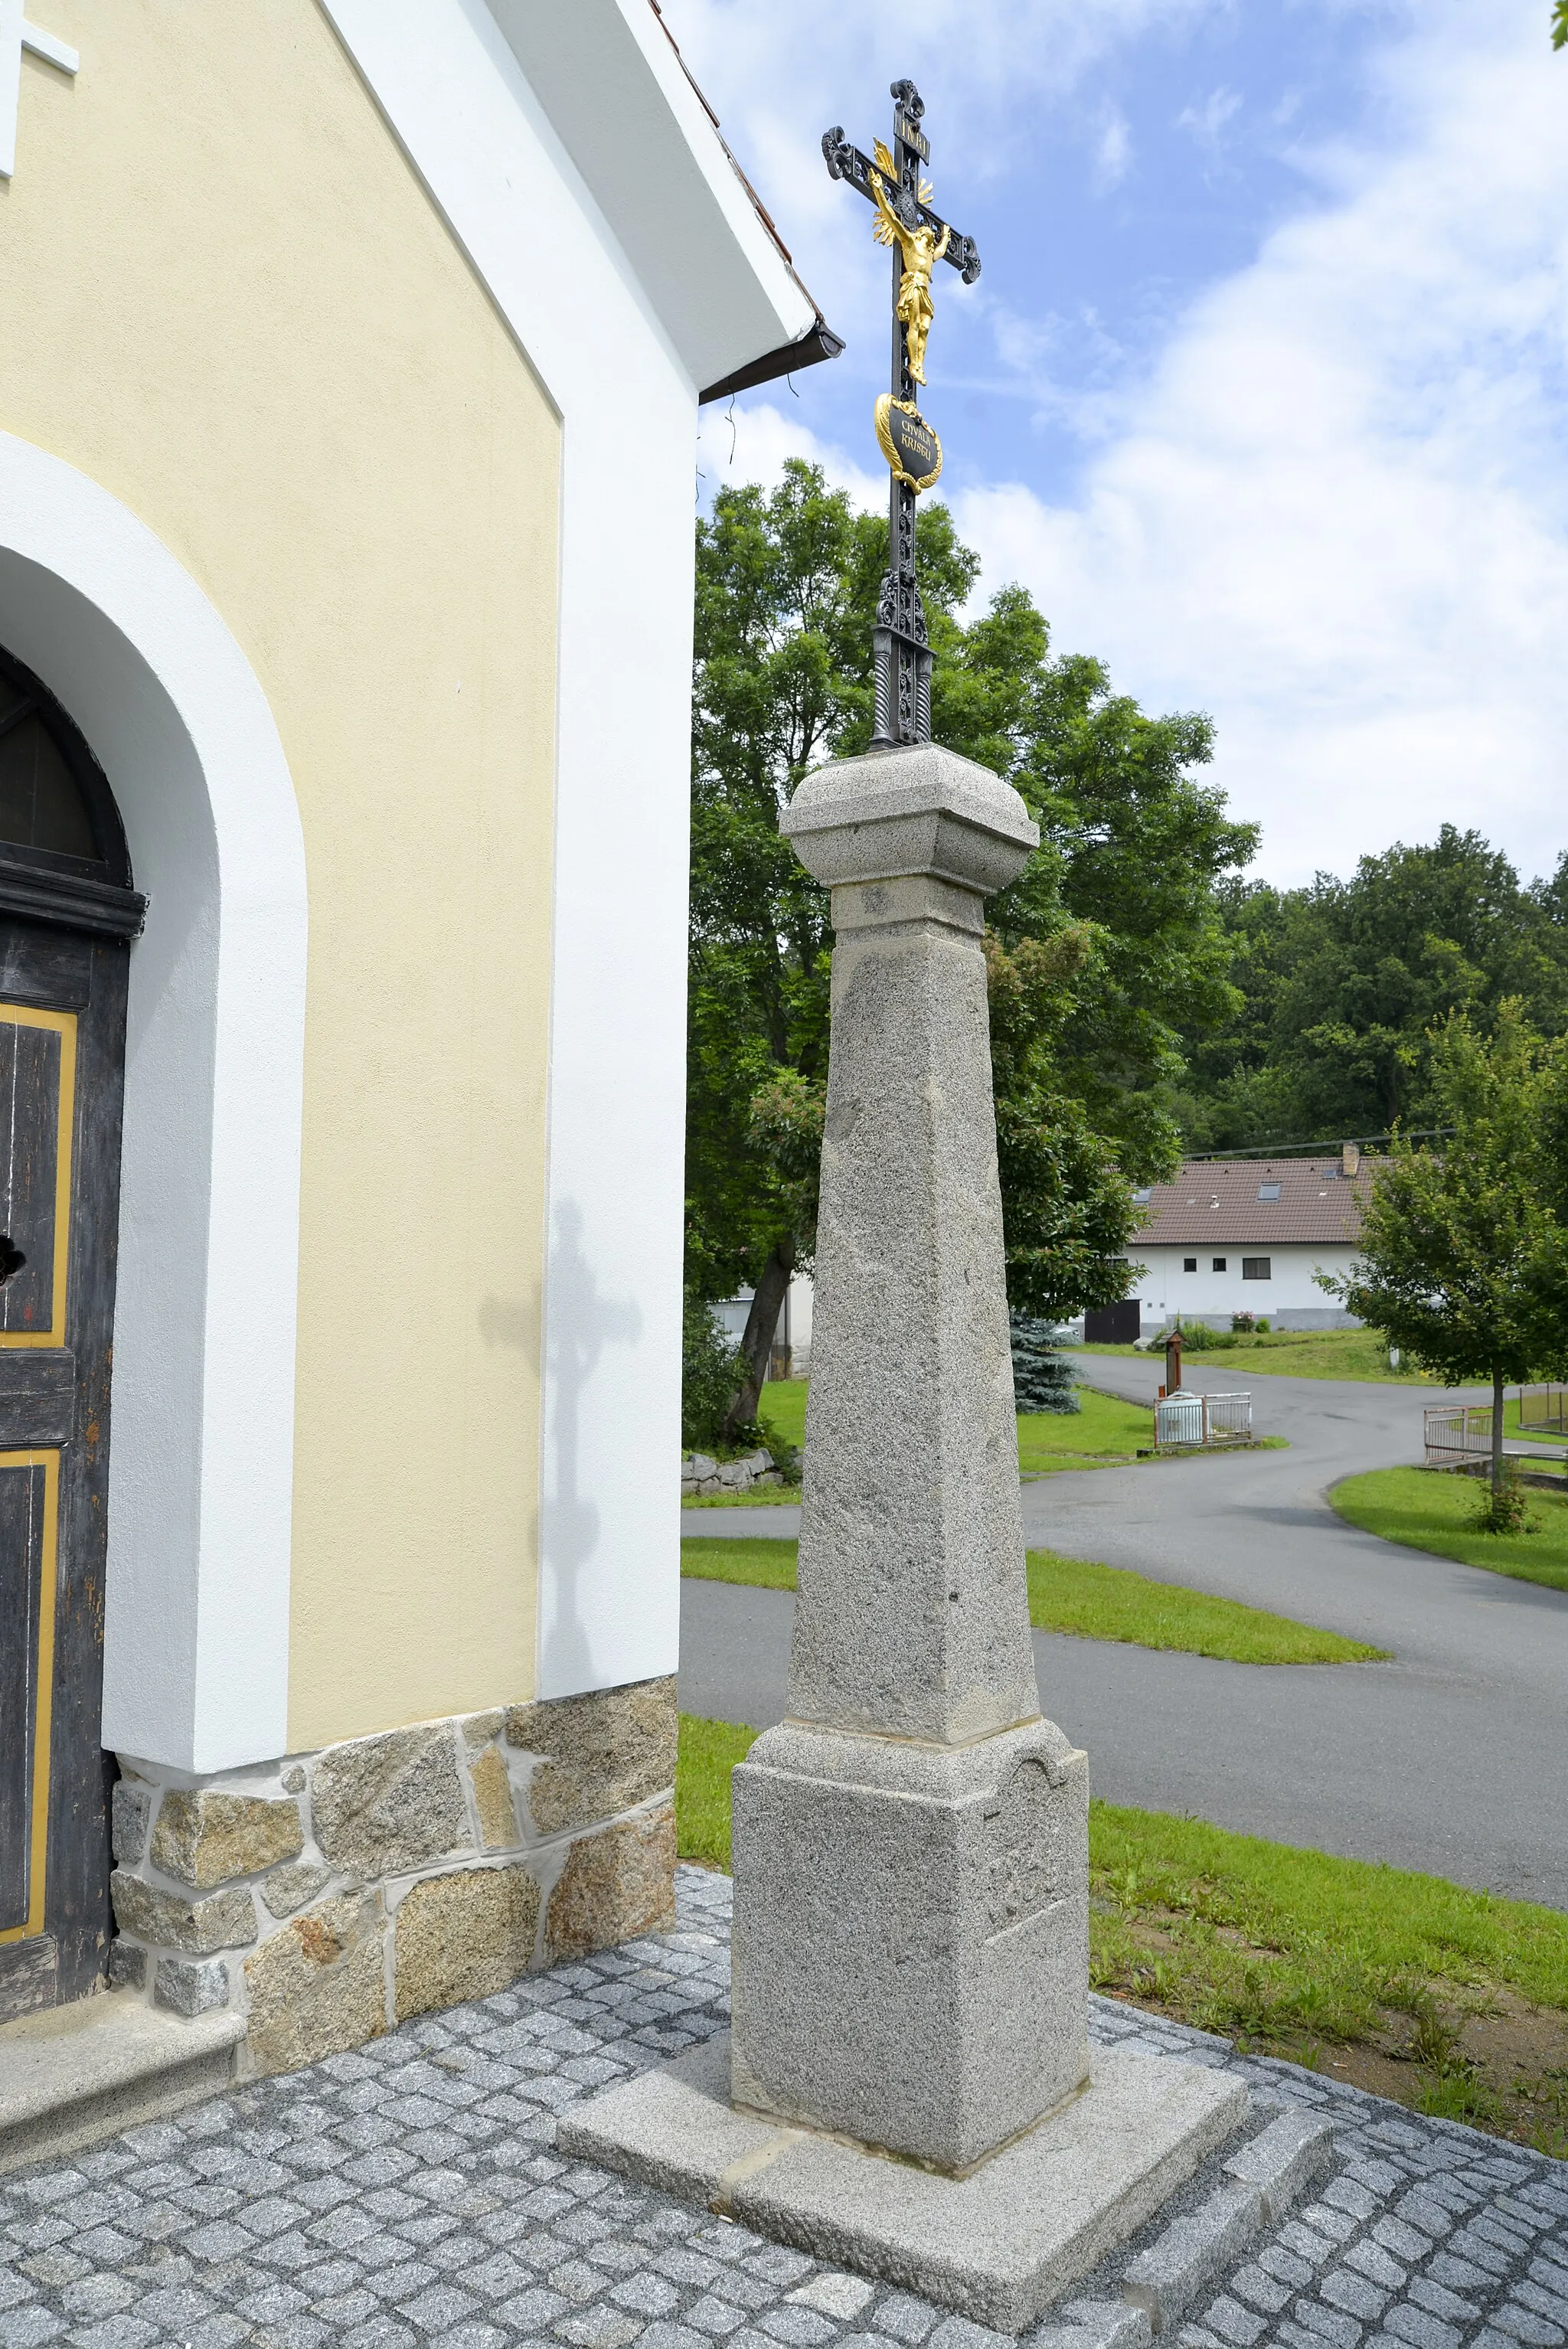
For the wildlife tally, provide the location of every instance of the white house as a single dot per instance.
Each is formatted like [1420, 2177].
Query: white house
[1250, 1238]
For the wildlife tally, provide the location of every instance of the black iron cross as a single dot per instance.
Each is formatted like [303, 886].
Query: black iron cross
[903, 646]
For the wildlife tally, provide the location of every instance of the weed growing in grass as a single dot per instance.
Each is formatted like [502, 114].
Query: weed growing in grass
[1505, 1510]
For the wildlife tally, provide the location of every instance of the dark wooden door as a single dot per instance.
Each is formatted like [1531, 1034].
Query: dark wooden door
[64, 963]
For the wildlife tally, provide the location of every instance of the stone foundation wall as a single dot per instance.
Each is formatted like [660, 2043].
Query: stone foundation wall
[700, 1473]
[328, 1895]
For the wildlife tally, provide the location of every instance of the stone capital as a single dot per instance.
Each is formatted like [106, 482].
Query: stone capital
[920, 810]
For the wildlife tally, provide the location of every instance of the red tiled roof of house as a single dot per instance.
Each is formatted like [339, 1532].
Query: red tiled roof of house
[1211, 1201]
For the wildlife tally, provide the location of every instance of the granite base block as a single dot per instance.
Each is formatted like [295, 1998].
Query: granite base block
[999, 2246]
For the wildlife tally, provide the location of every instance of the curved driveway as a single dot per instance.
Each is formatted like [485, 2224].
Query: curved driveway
[1452, 1757]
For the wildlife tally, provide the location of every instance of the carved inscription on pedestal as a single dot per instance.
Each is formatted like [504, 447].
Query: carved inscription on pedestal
[1020, 1847]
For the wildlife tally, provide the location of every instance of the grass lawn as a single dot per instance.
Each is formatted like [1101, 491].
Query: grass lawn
[1106, 1433]
[1109, 1602]
[1295, 1353]
[1090, 1602]
[782, 1410]
[1511, 1426]
[1452, 2002]
[1427, 1509]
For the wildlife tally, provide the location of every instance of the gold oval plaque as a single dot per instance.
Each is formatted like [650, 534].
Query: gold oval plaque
[907, 441]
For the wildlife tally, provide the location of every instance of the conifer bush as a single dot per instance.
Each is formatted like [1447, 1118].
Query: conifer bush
[1042, 1379]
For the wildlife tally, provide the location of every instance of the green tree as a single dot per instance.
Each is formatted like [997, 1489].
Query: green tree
[1464, 1249]
[1560, 26]
[1119, 900]
[1342, 984]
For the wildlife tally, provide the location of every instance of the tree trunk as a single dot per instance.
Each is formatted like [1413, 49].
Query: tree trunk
[1496, 1434]
[756, 1345]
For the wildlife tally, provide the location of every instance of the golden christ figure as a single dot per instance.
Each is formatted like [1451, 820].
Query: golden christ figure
[920, 249]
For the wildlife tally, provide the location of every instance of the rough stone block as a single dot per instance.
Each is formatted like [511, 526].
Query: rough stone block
[614, 1886]
[999, 2246]
[463, 1936]
[127, 1965]
[289, 1887]
[607, 1751]
[190, 1986]
[1292, 2154]
[131, 1808]
[911, 1937]
[294, 1779]
[205, 1837]
[387, 1806]
[224, 1921]
[1169, 2276]
[318, 1985]
[1097, 2325]
[493, 1801]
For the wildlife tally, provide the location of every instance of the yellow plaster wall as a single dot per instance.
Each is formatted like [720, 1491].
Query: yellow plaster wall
[224, 296]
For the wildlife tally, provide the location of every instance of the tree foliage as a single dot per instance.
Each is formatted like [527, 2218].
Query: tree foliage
[1560, 26]
[1463, 1255]
[1107, 948]
[1343, 984]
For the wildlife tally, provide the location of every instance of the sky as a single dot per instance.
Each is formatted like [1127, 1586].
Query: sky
[1263, 390]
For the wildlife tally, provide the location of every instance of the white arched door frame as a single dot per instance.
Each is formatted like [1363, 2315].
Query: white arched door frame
[201, 1435]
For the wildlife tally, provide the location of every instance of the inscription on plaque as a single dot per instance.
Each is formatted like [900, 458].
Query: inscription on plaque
[907, 441]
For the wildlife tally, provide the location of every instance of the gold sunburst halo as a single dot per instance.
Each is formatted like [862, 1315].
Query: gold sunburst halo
[881, 156]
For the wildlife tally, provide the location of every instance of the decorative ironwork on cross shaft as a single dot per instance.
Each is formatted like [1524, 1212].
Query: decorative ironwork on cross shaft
[891, 180]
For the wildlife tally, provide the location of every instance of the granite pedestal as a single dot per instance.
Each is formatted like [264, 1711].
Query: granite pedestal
[908, 2084]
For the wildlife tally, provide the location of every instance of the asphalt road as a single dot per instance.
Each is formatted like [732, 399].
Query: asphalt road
[1453, 1757]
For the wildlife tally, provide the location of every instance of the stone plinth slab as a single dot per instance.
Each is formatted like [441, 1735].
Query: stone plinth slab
[75, 2074]
[999, 2246]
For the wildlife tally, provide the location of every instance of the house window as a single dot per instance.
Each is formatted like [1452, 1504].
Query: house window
[1255, 1268]
[1189, 1263]
[1219, 1264]
[1268, 1190]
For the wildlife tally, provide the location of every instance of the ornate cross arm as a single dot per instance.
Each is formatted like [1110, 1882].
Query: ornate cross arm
[845, 161]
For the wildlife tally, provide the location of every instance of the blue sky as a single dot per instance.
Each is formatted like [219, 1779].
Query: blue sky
[1262, 389]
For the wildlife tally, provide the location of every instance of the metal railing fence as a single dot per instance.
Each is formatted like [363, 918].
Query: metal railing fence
[1199, 1419]
[1457, 1431]
[1544, 1406]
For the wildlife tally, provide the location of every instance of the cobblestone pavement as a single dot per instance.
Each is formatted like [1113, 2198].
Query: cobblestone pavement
[409, 2193]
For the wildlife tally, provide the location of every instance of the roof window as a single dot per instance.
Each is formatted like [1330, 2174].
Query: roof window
[1268, 1190]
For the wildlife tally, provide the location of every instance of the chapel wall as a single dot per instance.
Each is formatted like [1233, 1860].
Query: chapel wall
[230, 302]
[328, 1897]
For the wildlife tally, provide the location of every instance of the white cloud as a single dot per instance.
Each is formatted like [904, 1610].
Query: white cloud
[1207, 122]
[1113, 150]
[739, 445]
[1337, 515]
[1335, 512]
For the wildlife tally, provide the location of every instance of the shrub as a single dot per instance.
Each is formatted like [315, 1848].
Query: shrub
[1505, 1511]
[1243, 1321]
[1264, 1326]
[1042, 1379]
[710, 1375]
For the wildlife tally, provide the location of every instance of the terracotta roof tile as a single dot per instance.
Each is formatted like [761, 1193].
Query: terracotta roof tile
[1219, 1202]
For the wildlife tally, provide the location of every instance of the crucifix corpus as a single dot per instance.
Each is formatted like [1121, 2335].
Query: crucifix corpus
[909, 2087]
[891, 180]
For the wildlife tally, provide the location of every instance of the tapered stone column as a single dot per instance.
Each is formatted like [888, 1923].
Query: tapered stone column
[911, 1946]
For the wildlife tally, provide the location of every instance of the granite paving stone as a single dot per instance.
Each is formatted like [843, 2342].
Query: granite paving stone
[311, 2211]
